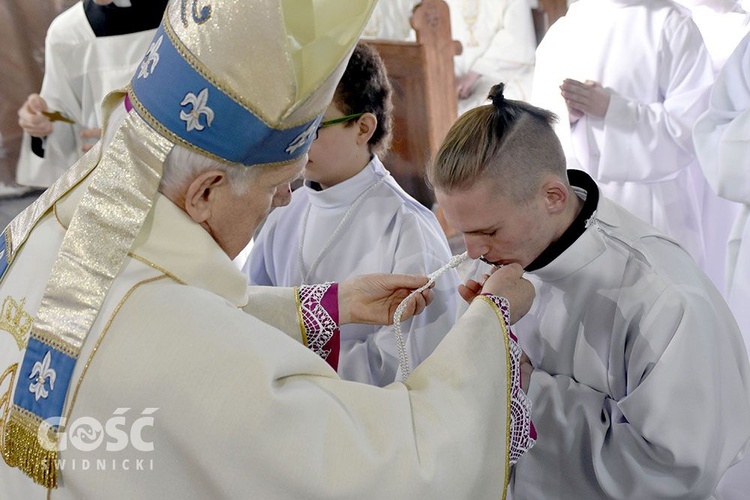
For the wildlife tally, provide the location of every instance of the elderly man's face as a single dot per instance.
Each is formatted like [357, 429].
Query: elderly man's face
[238, 216]
[495, 226]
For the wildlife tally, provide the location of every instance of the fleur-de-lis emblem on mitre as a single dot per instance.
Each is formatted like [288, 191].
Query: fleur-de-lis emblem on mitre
[148, 65]
[192, 119]
[301, 139]
[42, 372]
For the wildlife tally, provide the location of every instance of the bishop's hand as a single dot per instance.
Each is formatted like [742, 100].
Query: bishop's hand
[373, 298]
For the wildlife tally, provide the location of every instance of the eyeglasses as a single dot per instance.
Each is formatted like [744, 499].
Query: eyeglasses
[335, 121]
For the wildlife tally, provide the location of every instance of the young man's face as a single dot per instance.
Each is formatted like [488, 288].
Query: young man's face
[497, 227]
[337, 154]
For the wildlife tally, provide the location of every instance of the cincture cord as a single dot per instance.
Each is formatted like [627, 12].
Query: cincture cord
[403, 357]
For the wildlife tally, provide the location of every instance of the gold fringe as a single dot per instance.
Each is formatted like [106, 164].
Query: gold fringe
[23, 448]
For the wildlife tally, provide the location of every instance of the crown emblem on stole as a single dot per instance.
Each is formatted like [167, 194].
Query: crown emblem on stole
[16, 321]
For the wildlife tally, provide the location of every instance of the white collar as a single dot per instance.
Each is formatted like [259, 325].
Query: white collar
[344, 193]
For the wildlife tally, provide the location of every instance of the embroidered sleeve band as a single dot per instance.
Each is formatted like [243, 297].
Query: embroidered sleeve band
[320, 315]
[522, 432]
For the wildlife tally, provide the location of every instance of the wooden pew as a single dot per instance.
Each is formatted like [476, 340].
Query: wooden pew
[424, 96]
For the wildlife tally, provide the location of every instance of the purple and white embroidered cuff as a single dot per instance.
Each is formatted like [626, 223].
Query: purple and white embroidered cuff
[320, 315]
[522, 432]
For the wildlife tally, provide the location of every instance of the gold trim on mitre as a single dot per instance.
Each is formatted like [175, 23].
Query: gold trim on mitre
[298, 43]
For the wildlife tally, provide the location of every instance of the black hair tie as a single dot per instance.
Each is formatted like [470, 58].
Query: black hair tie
[496, 95]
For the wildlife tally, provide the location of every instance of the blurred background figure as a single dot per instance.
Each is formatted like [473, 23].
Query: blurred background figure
[23, 24]
[722, 24]
[90, 49]
[628, 79]
[722, 143]
[498, 41]
[390, 20]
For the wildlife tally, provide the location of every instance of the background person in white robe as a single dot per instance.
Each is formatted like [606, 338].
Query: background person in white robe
[639, 384]
[498, 41]
[90, 49]
[722, 23]
[497, 36]
[351, 217]
[391, 20]
[634, 74]
[153, 317]
[722, 142]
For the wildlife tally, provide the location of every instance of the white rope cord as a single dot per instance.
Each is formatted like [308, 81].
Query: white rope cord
[403, 357]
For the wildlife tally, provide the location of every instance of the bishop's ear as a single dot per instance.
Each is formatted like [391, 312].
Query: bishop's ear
[202, 193]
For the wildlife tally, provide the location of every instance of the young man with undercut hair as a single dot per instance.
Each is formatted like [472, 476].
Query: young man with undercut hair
[635, 367]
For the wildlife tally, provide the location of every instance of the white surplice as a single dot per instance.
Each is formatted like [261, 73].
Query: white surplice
[234, 405]
[641, 388]
[722, 142]
[722, 23]
[387, 232]
[651, 57]
[498, 41]
[80, 69]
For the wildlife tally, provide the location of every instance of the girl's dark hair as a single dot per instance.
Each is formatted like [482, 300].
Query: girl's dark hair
[364, 88]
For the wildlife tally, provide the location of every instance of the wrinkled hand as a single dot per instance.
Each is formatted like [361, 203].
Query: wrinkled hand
[373, 298]
[31, 119]
[90, 137]
[587, 97]
[508, 282]
[465, 84]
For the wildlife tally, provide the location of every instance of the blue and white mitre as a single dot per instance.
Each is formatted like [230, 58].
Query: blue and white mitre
[243, 82]
[247, 116]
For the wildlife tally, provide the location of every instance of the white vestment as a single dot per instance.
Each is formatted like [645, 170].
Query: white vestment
[640, 388]
[722, 141]
[80, 69]
[722, 23]
[651, 57]
[497, 36]
[498, 41]
[218, 402]
[390, 20]
[387, 231]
